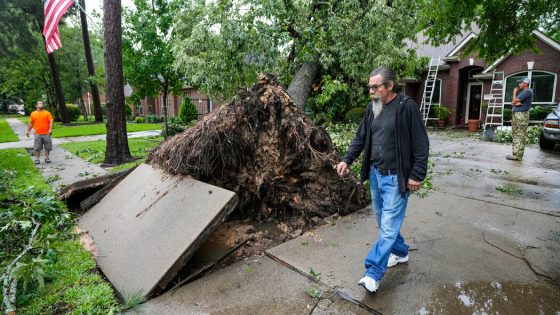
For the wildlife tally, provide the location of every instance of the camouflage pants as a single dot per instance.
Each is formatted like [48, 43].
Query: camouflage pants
[519, 123]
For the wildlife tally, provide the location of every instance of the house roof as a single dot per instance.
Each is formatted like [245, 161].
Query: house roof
[448, 52]
[423, 49]
[538, 34]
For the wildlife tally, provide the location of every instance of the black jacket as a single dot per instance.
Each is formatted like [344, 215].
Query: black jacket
[411, 138]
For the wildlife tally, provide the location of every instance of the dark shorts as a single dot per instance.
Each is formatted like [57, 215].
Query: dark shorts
[42, 141]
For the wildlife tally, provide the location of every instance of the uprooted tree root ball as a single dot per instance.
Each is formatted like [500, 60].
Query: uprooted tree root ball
[259, 146]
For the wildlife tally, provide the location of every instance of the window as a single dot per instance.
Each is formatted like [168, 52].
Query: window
[542, 83]
[437, 92]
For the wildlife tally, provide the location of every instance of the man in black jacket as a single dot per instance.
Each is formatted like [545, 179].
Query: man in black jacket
[395, 162]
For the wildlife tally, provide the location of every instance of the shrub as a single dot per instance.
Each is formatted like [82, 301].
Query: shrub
[507, 114]
[441, 112]
[174, 120]
[74, 112]
[139, 120]
[187, 111]
[539, 112]
[503, 136]
[531, 137]
[355, 114]
[175, 128]
[153, 119]
[127, 111]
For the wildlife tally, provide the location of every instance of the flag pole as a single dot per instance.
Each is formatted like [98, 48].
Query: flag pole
[89, 17]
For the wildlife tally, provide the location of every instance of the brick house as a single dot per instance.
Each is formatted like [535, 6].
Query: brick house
[154, 105]
[464, 82]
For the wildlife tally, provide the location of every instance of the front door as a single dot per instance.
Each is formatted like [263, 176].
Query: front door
[474, 100]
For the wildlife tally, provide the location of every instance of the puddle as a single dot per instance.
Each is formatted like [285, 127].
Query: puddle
[494, 298]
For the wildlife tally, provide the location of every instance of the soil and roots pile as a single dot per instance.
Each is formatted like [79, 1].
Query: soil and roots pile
[259, 146]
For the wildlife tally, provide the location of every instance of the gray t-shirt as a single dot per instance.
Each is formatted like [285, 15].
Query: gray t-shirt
[526, 98]
[383, 146]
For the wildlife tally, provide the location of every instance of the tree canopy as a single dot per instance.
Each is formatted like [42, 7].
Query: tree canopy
[221, 46]
[505, 25]
[147, 51]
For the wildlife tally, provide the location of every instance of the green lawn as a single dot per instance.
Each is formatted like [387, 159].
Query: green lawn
[6, 133]
[88, 128]
[20, 161]
[72, 283]
[94, 151]
[60, 131]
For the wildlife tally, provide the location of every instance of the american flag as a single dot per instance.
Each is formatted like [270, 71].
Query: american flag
[54, 10]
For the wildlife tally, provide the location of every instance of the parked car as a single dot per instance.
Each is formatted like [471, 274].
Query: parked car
[550, 134]
[16, 108]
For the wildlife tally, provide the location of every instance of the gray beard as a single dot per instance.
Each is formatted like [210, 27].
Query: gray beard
[377, 107]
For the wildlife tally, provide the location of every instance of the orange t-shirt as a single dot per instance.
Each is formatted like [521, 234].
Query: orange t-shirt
[41, 121]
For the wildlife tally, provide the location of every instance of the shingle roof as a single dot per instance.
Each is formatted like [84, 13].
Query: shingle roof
[426, 50]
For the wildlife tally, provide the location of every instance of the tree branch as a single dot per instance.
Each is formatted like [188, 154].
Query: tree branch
[9, 289]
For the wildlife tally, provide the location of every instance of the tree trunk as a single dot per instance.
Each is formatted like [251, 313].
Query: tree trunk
[63, 112]
[90, 67]
[301, 84]
[165, 129]
[117, 150]
[83, 107]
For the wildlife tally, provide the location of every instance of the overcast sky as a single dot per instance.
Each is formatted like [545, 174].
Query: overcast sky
[97, 5]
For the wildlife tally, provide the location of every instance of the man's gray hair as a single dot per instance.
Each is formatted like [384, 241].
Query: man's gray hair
[386, 73]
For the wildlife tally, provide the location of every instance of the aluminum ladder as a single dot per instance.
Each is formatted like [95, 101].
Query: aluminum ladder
[495, 111]
[429, 87]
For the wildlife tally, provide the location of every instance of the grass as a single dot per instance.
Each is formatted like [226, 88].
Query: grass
[20, 161]
[73, 285]
[94, 151]
[87, 129]
[6, 133]
[12, 115]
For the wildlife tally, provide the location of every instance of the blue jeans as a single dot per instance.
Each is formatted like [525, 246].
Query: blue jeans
[389, 208]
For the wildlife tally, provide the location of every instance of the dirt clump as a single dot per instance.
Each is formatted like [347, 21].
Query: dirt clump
[258, 145]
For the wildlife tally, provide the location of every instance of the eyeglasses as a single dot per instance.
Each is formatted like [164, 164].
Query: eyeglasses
[375, 87]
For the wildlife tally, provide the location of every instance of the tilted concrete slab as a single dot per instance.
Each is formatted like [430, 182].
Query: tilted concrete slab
[149, 225]
[257, 285]
[453, 268]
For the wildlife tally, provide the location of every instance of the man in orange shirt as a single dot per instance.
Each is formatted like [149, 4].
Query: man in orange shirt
[42, 121]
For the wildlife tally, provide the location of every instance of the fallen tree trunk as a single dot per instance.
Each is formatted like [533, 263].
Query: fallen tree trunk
[260, 146]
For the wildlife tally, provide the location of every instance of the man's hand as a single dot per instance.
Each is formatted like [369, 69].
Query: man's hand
[27, 134]
[515, 89]
[50, 132]
[413, 185]
[342, 168]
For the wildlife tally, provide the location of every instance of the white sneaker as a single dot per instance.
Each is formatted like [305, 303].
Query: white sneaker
[394, 260]
[369, 284]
